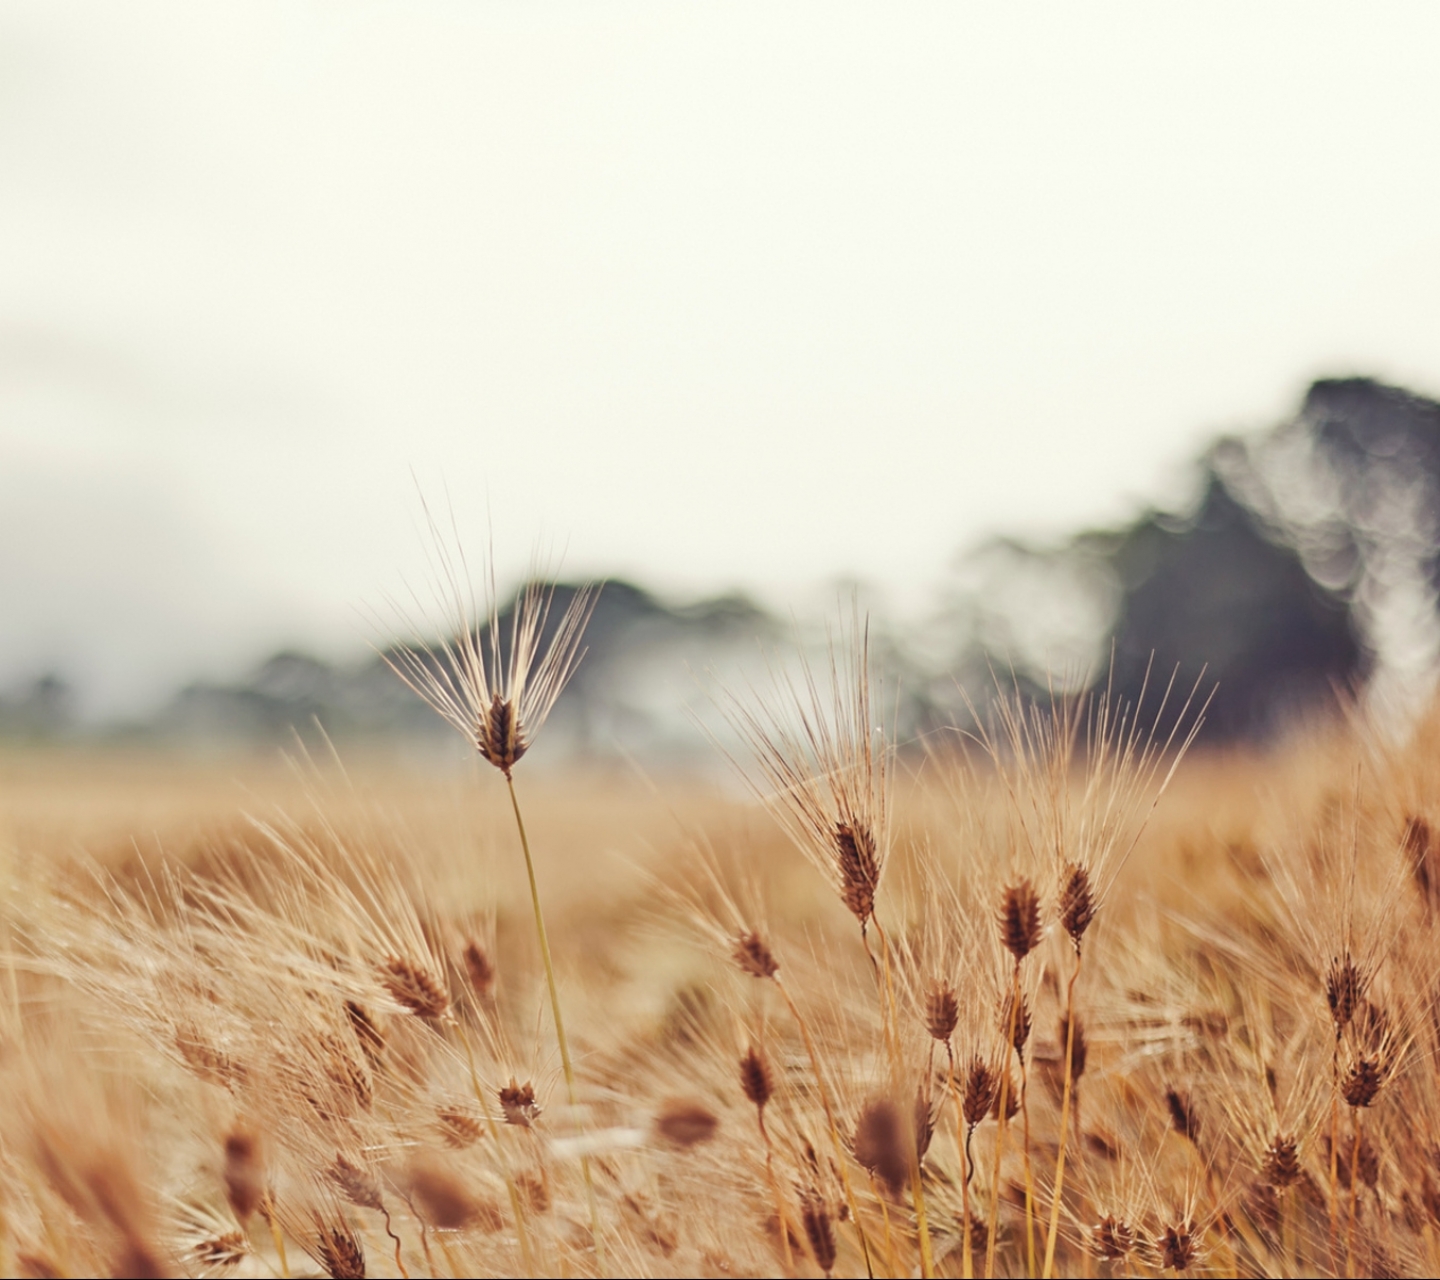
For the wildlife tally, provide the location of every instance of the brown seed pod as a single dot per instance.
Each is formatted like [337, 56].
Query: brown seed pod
[858, 866]
[220, 1252]
[1422, 852]
[367, 1031]
[942, 1011]
[1112, 1238]
[1176, 1246]
[458, 1127]
[754, 957]
[1281, 1166]
[1182, 1115]
[686, 1123]
[819, 1230]
[1362, 1082]
[1008, 1094]
[414, 987]
[446, 1203]
[755, 1077]
[347, 1071]
[358, 1185]
[244, 1174]
[981, 1084]
[880, 1144]
[1015, 1020]
[535, 1190]
[1020, 919]
[479, 969]
[339, 1251]
[1077, 902]
[979, 1235]
[499, 736]
[1344, 990]
[518, 1103]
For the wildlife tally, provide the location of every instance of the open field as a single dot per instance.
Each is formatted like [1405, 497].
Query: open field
[266, 1018]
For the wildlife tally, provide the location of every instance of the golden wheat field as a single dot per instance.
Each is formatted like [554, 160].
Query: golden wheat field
[1050, 997]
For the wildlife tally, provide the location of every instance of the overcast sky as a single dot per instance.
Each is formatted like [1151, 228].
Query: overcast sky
[716, 296]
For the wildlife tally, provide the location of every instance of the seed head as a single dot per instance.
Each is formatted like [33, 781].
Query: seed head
[979, 1235]
[754, 957]
[686, 1123]
[495, 684]
[1112, 1238]
[1281, 1167]
[1015, 1020]
[858, 866]
[1182, 1115]
[357, 1185]
[819, 1230]
[942, 1011]
[518, 1103]
[221, 1251]
[339, 1251]
[244, 1174]
[755, 1077]
[458, 1127]
[1344, 989]
[498, 735]
[414, 987]
[1020, 919]
[1077, 903]
[1362, 1082]
[880, 1144]
[1176, 1246]
[369, 1035]
[1422, 852]
[446, 1202]
[479, 969]
[980, 1087]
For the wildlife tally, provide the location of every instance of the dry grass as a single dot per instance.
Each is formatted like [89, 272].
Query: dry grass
[262, 1019]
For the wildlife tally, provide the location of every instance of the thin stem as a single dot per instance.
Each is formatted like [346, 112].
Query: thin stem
[1288, 1262]
[780, 1217]
[962, 1147]
[1049, 1268]
[1029, 1181]
[389, 1232]
[277, 1235]
[830, 1118]
[1354, 1192]
[895, 1268]
[890, 1015]
[1000, 1127]
[555, 1012]
[1002, 1123]
[1335, 1153]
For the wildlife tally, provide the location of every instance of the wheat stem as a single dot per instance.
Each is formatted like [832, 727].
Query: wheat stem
[555, 1012]
[1049, 1268]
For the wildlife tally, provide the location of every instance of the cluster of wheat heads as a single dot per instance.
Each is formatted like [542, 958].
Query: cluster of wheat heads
[976, 1009]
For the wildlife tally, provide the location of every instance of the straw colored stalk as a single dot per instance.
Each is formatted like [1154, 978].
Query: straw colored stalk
[1077, 908]
[496, 687]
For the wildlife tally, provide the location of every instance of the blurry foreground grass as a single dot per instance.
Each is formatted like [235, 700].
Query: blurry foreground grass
[269, 1018]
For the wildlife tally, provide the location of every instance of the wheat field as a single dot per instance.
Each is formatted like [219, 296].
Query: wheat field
[1052, 996]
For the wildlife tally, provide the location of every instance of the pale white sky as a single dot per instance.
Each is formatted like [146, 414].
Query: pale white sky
[715, 296]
